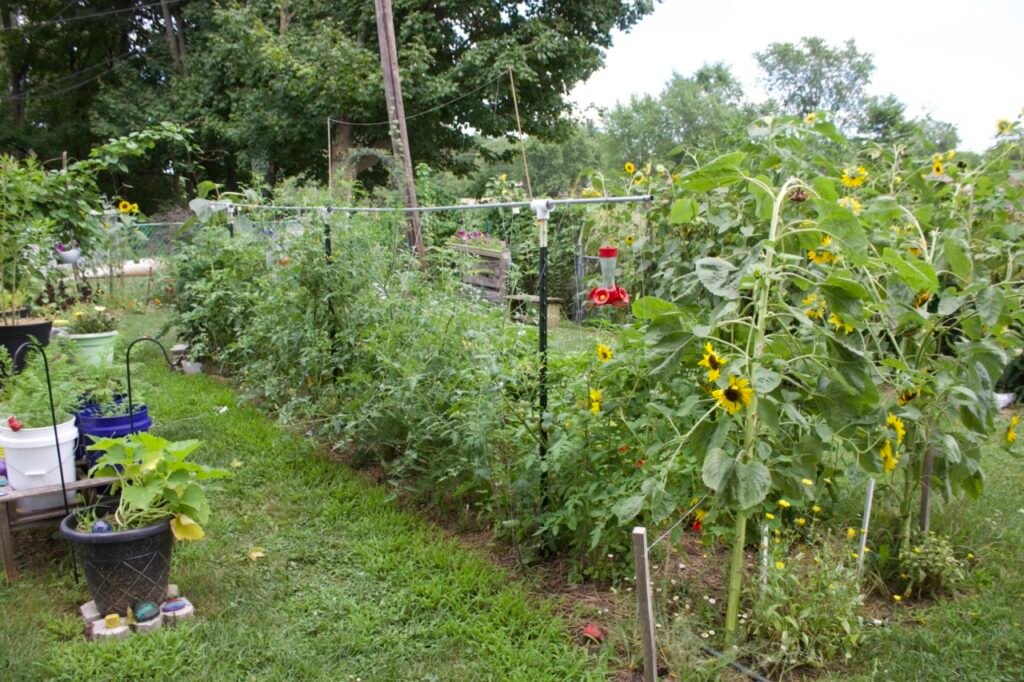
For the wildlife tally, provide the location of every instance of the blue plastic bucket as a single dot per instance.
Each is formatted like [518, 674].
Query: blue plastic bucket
[92, 425]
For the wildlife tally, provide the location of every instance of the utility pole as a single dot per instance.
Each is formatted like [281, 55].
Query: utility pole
[396, 116]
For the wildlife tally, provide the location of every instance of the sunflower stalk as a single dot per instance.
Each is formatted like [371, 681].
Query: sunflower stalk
[763, 292]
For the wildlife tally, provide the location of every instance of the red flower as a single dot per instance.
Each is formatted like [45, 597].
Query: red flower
[697, 527]
[593, 632]
[624, 449]
[639, 464]
[13, 422]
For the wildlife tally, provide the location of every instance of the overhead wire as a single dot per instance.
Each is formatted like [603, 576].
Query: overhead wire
[83, 17]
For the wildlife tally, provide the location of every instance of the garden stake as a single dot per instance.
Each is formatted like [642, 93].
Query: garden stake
[231, 221]
[128, 374]
[542, 208]
[764, 557]
[34, 344]
[868, 499]
[643, 595]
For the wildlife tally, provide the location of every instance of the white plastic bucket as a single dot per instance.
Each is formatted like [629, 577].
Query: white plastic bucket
[31, 457]
[96, 349]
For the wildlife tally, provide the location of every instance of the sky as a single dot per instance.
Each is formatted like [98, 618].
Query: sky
[959, 61]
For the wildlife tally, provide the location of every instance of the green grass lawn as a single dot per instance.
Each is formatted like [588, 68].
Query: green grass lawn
[349, 587]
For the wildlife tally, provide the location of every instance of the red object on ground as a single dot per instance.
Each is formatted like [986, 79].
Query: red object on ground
[13, 422]
[593, 632]
[697, 527]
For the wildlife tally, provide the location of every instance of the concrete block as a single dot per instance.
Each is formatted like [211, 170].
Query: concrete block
[172, 617]
[149, 626]
[172, 591]
[99, 630]
[89, 612]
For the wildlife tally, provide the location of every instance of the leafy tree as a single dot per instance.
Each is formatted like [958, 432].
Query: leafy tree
[813, 76]
[701, 110]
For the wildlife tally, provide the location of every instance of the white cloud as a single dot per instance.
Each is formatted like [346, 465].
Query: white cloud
[958, 61]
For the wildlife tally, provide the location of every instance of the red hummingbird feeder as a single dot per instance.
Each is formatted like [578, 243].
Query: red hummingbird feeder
[608, 293]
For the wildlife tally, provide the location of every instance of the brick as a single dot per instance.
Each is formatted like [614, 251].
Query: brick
[149, 625]
[89, 612]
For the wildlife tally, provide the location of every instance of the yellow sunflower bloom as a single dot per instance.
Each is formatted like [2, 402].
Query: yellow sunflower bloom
[769, 516]
[1004, 127]
[810, 118]
[839, 323]
[1011, 433]
[629, 167]
[849, 202]
[922, 298]
[851, 533]
[780, 565]
[908, 395]
[784, 503]
[595, 400]
[854, 177]
[937, 168]
[629, 240]
[735, 396]
[816, 509]
[815, 307]
[713, 361]
[124, 206]
[604, 353]
[897, 425]
[134, 209]
[889, 458]
[950, 154]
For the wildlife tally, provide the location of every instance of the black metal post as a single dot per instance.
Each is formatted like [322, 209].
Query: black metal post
[328, 247]
[542, 209]
[32, 343]
[128, 375]
[231, 221]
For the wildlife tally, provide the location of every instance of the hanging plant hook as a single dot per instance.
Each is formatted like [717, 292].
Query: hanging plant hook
[128, 375]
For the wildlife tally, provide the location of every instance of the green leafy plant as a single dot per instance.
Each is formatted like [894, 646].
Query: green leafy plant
[929, 565]
[24, 395]
[156, 482]
[91, 319]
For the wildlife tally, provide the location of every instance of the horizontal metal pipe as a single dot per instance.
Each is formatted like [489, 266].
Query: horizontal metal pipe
[551, 203]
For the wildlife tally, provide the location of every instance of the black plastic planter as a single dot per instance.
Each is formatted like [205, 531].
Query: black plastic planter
[125, 566]
[13, 336]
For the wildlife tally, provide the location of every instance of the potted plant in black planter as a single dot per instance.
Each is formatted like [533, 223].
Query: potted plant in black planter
[125, 547]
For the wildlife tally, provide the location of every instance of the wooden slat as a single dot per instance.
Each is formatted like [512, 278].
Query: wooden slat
[82, 484]
[486, 282]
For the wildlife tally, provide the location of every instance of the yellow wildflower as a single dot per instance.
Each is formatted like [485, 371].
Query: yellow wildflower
[784, 503]
[735, 396]
[629, 167]
[629, 240]
[854, 177]
[1003, 127]
[801, 521]
[839, 324]
[922, 298]
[807, 481]
[816, 309]
[133, 209]
[780, 565]
[604, 353]
[700, 514]
[1011, 433]
[950, 154]
[810, 118]
[816, 509]
[897, 598]
[769, 516]
[937, 168]
[897, 424]
[595, 400]
[849, 202]
[821, 256]
[851, 533]
[713, 361]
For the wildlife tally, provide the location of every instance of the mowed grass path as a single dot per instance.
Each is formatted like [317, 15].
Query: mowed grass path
[349, 587]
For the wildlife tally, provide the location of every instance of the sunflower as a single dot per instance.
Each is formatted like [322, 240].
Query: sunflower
[922, 298]
[604, 353]
[937, 167]
[950, 154]
[889, 459]
[735, 396]
[908, 395]
[134, 209]
[816, 307]
[630, 168]
[1003, 127]
[810, 118]
[124, 206]
[897, 425]
[839, 323]
[852, 204]
[1011, 433]
[595, 400]
[713, 361]
[854, 177]
[821, 256]
[629, 240]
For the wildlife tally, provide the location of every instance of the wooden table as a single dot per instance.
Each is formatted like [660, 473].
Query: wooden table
[11, 519]
[554, 306]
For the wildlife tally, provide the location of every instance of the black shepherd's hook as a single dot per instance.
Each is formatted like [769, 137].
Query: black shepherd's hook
[128, 374]
[18, 353]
